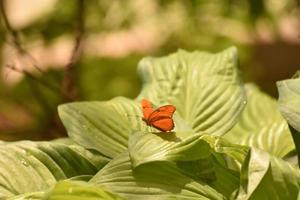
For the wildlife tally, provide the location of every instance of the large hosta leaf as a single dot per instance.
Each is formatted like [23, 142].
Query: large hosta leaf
[33, 166]
[204, 87]
[289, 100]
[147, 147]
[40, 195]
[157, 180]
[96, 125]
[261, 125]
[222, 146]
[192, 155]
[71, 190]
[104, 126]
[266, 177]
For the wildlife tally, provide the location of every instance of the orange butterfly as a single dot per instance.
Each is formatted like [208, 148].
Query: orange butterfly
[161, 118]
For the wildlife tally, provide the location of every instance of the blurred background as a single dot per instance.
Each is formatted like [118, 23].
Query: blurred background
[52, 51]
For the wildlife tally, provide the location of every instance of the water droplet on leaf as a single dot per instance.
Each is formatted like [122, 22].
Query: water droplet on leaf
[24, 162]
[23, 151]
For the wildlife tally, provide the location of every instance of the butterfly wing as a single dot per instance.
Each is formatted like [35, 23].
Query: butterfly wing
[165, 124]
[161, 118]
[147, 109]
[166, 111]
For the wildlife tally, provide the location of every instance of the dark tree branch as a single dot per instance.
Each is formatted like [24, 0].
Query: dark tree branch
[53, 88]
[13, 32]
[18, 46]
[43, 102]
[16, 36]
[69, 89]
[55, 127]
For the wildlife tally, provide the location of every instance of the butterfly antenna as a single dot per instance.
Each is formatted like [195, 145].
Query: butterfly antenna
[134, 116]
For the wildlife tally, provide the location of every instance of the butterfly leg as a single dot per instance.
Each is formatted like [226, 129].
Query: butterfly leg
[152, 129]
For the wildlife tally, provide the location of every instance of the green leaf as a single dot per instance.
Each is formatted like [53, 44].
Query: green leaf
[40, 195]
[159, 180]
[267, 177]
[66, 141]
[209, 97]
[261, 125]
[147, 147]
[96, 125]
[78, 190]
[296, 138]
[222, 146]
[192, 155]
[289, 100]
[34, 166]
[104, 126]
[66, 190]
[227, 180]
[204, 87]
[131, 113]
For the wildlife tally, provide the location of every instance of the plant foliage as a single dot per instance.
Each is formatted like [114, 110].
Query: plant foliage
[229, 141]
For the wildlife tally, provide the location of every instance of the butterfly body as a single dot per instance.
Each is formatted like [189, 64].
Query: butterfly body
[160, 118]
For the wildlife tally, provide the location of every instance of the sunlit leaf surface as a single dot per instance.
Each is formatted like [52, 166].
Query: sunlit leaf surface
[289, 100]
[33, 166]
[157, 180]
[264, 176]
[261, 125]
[205, 88]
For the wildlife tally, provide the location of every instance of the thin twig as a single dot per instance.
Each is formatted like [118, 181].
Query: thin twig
[16, 36]
[13, 32]
[29, 75]
[41, 99]
[69, 90]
